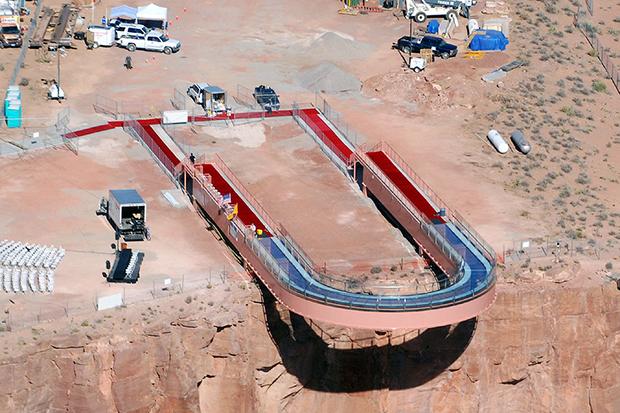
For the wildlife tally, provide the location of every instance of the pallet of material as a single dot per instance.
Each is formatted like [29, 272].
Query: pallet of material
[41, 29]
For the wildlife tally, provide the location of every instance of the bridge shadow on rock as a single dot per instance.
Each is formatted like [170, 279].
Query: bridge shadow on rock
[317, 366]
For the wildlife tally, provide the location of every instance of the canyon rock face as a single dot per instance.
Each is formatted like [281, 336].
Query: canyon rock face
[538, 349]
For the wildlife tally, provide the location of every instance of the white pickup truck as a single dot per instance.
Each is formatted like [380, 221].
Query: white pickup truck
[154, 41]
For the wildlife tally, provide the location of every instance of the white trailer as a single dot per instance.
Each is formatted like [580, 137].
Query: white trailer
[102, 35]
[127, 212]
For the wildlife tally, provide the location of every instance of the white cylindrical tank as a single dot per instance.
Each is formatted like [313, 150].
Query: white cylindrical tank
[497, 141]
[519, 142]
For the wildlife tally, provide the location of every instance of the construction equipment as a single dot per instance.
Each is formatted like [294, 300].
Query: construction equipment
[41, 28]
[55, 28]
[126, 211]
[211, 98]
[10, 31]
[420, 10]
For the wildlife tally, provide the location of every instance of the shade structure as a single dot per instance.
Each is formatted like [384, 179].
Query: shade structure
[123, 12]
[153, 16]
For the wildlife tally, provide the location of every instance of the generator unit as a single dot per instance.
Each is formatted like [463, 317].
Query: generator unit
[126, 210]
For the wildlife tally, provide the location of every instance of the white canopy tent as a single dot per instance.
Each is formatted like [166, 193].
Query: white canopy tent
[153, 16]
[123, 12]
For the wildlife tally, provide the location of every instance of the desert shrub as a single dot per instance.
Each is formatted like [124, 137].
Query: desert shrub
[375, 270]
[24, 81]
[568, 110]
[599, 86]
[583, 179]
[564, 192]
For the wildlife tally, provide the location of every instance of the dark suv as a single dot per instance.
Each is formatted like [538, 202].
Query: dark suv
[407, 44]
[267, 98]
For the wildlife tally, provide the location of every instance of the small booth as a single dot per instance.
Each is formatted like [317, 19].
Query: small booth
[153, 16]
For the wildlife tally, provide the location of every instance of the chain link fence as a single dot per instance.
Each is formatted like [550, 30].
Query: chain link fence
[589, 31]
[338, 121]
[179, 99]
[120, 109]
[522, 252]
[245, 97]
[40, 133]
[131, 295]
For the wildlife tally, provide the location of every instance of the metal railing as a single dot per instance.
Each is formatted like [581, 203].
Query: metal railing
[135, 129]
[245, 194]
[316, 130]
[204, 192]
[179, 99]
[336, 119]
[278, 231]
[428, 227]
[452, 215]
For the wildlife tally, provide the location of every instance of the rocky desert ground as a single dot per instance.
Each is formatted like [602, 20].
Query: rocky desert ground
[549, 343]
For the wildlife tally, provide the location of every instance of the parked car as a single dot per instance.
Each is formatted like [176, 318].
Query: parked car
[153, 41]
[267, 98]
[439, 46]
[195, 92]
[131, 30]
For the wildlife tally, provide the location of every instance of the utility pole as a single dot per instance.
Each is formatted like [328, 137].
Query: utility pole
[58, 68]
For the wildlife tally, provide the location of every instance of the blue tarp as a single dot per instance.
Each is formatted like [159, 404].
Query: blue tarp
[488, 40]
[432, 27]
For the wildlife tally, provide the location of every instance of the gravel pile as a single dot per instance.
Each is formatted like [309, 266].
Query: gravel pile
[329, 78]
[332, 46]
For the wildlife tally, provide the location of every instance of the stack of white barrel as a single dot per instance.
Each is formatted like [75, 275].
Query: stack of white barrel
[28, 267]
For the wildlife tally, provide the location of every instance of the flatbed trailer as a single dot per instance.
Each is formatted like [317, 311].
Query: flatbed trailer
[41, 29]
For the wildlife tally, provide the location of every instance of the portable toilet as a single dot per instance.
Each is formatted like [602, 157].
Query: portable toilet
[14, 115]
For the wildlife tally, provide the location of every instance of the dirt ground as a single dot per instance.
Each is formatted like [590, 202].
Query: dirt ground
[566, 188]
[50, 197]
[285, 170]
[442, 149]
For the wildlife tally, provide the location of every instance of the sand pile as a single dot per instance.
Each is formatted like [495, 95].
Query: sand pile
[333, 46]
[327, 77]
[407, 89]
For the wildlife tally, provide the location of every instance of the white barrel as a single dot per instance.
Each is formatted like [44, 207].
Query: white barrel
[497, 141]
